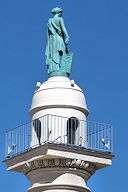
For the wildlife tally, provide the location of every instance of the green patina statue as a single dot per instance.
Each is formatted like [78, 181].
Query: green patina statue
[58, 58]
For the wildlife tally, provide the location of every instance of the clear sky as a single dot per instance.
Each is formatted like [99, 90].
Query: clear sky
[98, 32]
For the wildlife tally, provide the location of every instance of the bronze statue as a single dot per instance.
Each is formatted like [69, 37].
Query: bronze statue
[58, 59]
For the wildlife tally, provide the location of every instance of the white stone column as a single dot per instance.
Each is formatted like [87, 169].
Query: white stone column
[57, 175]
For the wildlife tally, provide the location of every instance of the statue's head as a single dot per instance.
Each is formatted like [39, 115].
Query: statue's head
[57, 10]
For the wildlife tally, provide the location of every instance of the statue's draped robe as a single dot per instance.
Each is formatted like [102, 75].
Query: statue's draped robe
[57, 35]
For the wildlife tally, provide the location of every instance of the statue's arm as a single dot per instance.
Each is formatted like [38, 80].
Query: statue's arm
[65, 33]
[50, 28]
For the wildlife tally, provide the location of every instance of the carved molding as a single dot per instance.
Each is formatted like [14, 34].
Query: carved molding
[59, 187]
[51, 163]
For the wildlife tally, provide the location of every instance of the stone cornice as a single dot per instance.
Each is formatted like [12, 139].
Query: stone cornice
[56, 151]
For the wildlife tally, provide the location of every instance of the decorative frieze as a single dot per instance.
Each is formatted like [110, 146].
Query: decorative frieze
[69, 163]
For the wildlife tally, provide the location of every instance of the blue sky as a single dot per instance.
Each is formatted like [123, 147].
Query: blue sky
[98, 32]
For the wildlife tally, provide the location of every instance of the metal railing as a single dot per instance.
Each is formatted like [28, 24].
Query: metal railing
[59, 130]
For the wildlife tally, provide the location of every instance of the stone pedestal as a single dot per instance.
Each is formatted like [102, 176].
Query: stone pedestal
[54, 103]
